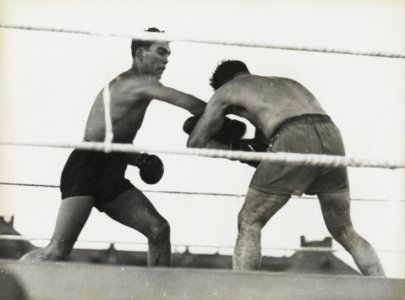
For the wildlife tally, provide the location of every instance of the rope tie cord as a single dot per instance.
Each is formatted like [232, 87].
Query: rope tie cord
[107, 117]
[195, 39]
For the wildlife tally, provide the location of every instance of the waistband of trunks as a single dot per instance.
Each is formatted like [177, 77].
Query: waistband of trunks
[302, 118]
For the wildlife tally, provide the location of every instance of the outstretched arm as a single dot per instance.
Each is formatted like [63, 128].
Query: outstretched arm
[156, 90]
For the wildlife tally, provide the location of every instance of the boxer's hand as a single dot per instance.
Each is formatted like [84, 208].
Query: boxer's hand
[251, 145]
[151, 168]
[231, 129]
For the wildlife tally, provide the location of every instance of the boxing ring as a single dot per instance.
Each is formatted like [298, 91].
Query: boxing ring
[126, 282]
[162, 283]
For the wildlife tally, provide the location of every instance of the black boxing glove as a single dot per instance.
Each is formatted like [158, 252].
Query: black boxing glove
[231, 130]
[151, 168]
[252, 145]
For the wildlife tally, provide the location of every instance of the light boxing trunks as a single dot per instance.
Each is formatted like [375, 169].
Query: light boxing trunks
[311, 133]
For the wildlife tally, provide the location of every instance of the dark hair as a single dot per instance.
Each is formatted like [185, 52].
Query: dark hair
[225, 71]
[143, 43]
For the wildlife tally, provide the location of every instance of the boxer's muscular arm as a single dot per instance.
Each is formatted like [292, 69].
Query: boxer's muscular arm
[156, 90]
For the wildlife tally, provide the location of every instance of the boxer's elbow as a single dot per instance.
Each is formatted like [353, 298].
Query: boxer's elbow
[199, 108]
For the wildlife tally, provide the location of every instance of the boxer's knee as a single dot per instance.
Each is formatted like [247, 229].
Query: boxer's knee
[247, 222]
[344, 233]
[160, 232]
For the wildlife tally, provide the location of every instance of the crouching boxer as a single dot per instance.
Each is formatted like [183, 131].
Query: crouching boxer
[290, 119]
[95, 179]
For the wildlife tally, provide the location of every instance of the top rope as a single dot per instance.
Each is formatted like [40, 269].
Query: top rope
[201, 39]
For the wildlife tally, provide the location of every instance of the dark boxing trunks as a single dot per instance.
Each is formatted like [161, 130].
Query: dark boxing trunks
[303, 134]
[97, 174]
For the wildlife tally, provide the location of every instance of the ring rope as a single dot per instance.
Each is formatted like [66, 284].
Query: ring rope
[201, 39]
[306, 249]
[32, 238]
[306, 197]
[292, 158]
[30, 184]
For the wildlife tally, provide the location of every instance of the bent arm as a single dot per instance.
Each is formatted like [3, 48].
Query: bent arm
[156, 90]
[208, 126]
